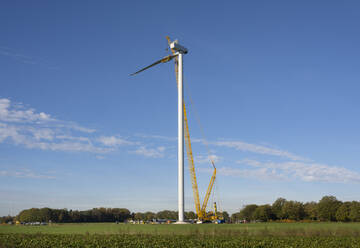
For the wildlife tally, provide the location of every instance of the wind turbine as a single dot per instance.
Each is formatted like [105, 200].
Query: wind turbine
[179, 52]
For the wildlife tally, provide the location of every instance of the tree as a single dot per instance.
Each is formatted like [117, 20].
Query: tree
[30, 215]
[75, 216]
[354, 213]
[235, 217]
[45, 214]
[139, 216]
[343, 212]
[293, 210]
[263, 213]
[247, 212]
[167, 214]
[277, 207]
[225, 215]
[24, 216]
[190, 215]
[149, 216]
[63, 215]
[6, 219]
[121, 214]
[327, 208]
[310, 209]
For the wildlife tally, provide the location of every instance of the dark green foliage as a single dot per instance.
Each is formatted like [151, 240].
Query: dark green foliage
[6, 219]
[343, 212]
[310, 209]
[167, 214]
[225, 215]
[51, 240]
[190, 215]
[247, 212]
[354, 214]
[293, 210]
[263, 213]
[327, 207]
[277, 208]
[93, 215]
[64, 215]
[148, 216]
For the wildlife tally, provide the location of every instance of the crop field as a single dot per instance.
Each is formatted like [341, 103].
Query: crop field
[207, 235]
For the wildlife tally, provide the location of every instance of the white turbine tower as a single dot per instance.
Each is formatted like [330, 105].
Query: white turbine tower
[179, 52]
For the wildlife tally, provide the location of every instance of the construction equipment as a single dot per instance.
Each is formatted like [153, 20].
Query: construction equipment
[183, 134]
[203, 216]
[180, 51]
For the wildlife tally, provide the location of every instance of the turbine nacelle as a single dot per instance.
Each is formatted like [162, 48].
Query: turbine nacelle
[177, 47]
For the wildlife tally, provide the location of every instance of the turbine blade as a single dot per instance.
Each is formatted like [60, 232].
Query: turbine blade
[147, 67]
[163, 60]
[169, 42]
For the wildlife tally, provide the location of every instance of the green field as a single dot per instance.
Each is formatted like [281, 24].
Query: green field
[272, 229]
[206, 235]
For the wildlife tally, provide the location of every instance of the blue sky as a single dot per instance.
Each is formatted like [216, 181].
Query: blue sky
[275, 85]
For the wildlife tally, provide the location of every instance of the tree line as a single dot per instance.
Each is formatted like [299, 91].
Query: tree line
[327, 209]
[64, 215]
[172, 215]
[93, 215]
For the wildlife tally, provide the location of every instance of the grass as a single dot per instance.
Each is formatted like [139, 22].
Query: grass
[167, 241]
[256, 229]
[259, 235]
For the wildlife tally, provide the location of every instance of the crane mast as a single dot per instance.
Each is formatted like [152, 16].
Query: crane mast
[208, 192]
[191, 166]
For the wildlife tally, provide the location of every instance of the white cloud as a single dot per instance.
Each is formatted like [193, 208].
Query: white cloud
[71, 147]
[160, 137]
[68, 137]
[200, 159]
[76, 127]
[43, 133]
[25, 127]
[17, 113]
[45, 139]
[113, 141]
[150, 152]
[238, 145]
[44, 116]
[242, 146]
[308, 172]
[11, 53]
[261, 173]
[25, 173]
[7, 131]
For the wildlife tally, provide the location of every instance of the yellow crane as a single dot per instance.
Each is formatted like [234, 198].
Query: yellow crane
[203, 216]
